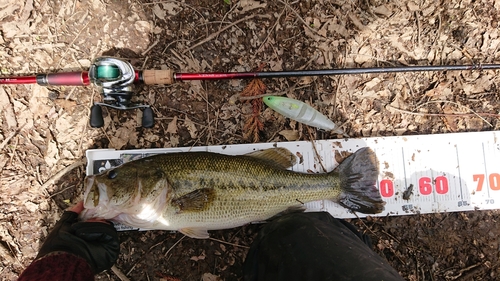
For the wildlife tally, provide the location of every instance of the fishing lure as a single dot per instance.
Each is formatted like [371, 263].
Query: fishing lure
[301, 112]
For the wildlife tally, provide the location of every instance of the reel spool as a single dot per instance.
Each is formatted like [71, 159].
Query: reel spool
[115, 78]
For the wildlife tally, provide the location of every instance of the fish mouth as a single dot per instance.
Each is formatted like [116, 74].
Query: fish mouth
[94, 197]
[96, 201]
[95, 193]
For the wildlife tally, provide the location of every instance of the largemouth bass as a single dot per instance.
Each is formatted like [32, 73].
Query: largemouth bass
[194, 192]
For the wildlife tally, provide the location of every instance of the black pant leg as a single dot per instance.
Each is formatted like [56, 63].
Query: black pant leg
[313, 246]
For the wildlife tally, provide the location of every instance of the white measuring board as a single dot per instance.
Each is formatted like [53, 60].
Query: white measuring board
[448, 172]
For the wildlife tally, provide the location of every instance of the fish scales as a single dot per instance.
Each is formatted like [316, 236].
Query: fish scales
[200, 169]
[245, 187]
[199, 191]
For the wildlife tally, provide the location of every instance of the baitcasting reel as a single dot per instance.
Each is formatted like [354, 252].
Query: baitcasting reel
[115, 78]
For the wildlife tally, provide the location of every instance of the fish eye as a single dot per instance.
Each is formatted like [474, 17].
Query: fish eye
[112, 174]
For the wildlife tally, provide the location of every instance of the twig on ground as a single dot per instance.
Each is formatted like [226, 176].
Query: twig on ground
[71, 44]
[178, 3]
[443, 114]
[111, 144]
[6, 254]
[59, 192]
[457, 104]
[171, 43]
[270, 31]
[461, 271]
[300, 18]
[7, 139]
[389, 246]
[61, 173]
[198, 139]
[215, 34]
[366, 226]
[150, 47]
[232, 8]
[311, 139]
[418, 28]
[150, 248]
[196, 123]
[119, 274]
[239, 97]
[175, 244]
[229, 243]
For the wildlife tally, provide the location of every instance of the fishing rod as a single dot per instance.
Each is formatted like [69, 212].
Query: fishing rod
[116, 78]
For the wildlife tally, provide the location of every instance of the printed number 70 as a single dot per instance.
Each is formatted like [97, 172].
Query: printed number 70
[493, 180]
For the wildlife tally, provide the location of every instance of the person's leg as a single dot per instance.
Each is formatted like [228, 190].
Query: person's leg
[314, 246]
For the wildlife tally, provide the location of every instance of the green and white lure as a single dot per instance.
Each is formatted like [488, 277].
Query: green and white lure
[301, 112]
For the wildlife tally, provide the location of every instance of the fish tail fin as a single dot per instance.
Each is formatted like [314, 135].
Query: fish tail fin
[358, 179]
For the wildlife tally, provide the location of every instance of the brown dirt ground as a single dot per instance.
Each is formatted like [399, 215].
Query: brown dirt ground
[43, 131]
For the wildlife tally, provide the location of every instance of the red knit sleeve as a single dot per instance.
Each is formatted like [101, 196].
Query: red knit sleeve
[58, 267]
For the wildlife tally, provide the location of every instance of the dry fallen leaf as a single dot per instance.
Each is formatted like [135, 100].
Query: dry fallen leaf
[52, 155]
[191, 127]
[210, 277]
[382, 10]
[38, 101]
[159, 12]
[449, 120]
[172, 126]
[198, 258]
[67, 105]
[290, 135]
[364, 54]
[174, 141]
[8, 7]
[122, 136]
[142, 26]
[248, 5]
[171, 7]
[7, 110]
[442, 90]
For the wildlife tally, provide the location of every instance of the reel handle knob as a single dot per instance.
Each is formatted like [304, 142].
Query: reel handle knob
[148, 119]
[96, 120]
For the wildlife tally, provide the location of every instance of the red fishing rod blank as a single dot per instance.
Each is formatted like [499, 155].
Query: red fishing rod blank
[162, 77]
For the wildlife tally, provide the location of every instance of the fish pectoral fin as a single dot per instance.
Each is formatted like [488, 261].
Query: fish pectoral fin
[199, 233]
[277, 156]
[197, 200]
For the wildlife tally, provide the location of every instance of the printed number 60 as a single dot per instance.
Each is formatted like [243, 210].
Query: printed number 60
[425, 185]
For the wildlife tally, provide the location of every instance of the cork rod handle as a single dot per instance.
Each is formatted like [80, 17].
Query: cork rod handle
[158, 77]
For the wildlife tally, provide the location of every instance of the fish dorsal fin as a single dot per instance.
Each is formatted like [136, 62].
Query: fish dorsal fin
[278, 156]
[197, 200]
[199, 233]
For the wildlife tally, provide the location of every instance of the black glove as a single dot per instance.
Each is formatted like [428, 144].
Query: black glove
[96, 242]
